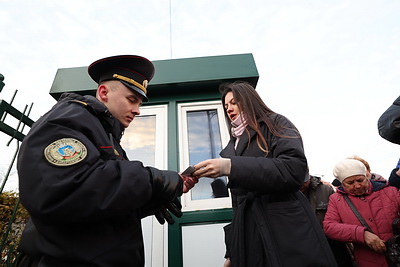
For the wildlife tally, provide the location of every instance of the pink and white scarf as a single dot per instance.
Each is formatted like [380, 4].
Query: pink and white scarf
[238, 127]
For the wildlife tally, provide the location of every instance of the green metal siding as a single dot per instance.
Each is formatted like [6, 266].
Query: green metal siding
[190, 77]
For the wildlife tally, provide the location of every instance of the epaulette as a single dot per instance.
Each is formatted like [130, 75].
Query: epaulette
[80, 102]
[86, 105]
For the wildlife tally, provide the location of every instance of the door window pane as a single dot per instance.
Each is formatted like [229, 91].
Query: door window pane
[202, 135]
[205, 143]
[140, 138]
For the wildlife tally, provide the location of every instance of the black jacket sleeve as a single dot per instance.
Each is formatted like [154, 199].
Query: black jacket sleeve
[394, 179]
[389, 123]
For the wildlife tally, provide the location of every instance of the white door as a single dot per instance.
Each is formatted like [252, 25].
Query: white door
[146, 140]
[203, 133]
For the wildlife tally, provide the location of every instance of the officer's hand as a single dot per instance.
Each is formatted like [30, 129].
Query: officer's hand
[167, 185]
[188, 182]
[163, 213]
[175, 207]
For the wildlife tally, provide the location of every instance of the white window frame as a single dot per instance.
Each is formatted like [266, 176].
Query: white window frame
[204, 204]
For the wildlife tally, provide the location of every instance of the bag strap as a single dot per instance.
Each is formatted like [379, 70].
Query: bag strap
[357, 213]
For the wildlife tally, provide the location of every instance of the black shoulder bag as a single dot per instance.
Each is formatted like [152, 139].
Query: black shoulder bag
[392, 252]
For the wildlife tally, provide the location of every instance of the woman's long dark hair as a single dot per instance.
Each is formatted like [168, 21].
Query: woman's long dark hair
[255, 110]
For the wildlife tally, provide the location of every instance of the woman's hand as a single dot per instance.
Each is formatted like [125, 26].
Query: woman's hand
[212, 168]
[374, 242]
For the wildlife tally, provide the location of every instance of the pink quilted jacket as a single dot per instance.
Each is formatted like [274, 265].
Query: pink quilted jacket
[378, 207]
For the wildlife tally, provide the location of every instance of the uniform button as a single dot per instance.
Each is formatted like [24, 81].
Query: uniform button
[370, 219]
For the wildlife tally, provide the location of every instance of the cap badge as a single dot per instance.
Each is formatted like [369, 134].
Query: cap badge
[65, 152]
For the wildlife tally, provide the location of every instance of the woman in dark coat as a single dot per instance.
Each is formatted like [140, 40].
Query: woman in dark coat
[273, 224]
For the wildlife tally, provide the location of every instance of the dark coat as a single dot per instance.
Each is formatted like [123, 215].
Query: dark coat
[394, 179]
[273, 224]
[318, 195]
[87, 212]
[389, 123]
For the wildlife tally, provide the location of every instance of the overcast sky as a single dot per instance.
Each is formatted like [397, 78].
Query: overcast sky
[331, 67]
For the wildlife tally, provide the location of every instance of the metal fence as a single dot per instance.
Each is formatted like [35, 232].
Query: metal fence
[12, 215]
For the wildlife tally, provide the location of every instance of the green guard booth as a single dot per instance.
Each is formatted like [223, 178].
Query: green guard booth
[182, 124]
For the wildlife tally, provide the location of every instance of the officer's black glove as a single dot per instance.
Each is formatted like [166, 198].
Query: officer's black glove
[162, 210]
[163, 213]
[167, 185]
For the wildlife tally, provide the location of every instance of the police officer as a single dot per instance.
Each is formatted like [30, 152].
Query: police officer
[85, 198]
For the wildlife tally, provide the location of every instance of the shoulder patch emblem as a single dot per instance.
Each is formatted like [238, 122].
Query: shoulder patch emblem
[65, 152]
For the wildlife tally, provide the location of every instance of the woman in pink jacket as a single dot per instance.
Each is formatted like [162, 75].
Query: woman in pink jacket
[377, 203]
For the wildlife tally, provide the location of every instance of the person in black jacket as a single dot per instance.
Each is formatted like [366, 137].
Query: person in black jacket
[389, 123]
[394, 178]
[85, 198]
[389, 129]
[273, 224]
[318, 193]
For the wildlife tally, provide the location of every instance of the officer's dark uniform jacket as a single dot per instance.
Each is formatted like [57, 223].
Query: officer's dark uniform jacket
[273, 224]
[86, 212]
